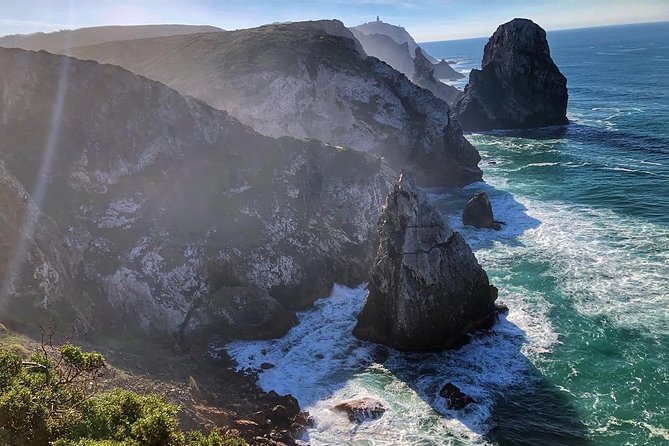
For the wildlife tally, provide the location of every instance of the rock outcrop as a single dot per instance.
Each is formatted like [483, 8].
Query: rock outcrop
[518, 86]
[424, 77]
[455, 398]
[478, 213]
[395, 46]
[361, 410]
[426, 289]
[298, 80]
[443, 70]
[155, 212]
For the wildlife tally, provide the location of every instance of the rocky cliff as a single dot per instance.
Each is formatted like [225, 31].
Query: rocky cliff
[426, 289]
[153, 211]
[424, 77]
[297, 80]
[518, 86]
[396, 47]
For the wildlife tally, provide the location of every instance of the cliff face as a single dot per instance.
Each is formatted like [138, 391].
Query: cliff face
[518, 86]
[157, 206]
[426, 289]
[424, 77]
[395, 46]
[297, 80]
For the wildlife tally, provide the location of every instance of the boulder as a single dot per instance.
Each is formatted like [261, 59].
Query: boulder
[424, 77]
[426, 288]
[361, 410]
[455, 399]
[478, 213]
[518, 85]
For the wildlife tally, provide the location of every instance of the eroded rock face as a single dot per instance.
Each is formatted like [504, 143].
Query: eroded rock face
[424, 77]
[478, 213]
[518, 85]
[299, 80]
[361, 410]
[157, 206]
[426, 289]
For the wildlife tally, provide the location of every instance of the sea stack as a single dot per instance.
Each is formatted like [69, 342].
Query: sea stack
[478, 213]
[423, 76]
[518, 85]
[426, 288]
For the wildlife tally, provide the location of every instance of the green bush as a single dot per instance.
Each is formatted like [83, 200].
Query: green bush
[53, 399]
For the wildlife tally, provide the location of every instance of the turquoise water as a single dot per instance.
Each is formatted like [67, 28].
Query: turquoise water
[582, 262]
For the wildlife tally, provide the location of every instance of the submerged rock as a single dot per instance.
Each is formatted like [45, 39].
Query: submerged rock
[478, 213]
[426, 289]
[518, 86]
[424, 77]
[455, 398]
[361, 410]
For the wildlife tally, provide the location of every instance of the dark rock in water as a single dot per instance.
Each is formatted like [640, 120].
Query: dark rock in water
[424, 77]
[267, 366]
[361, 410]
[518, 86]
[426, 289]
[478, 213]
[454, 397]
[443, 70]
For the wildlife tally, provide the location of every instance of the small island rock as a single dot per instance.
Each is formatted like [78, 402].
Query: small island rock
[478, 213]
[518, 85]
[426, 288]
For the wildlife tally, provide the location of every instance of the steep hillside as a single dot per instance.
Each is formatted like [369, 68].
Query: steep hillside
[297, 80]
[61, 41]
[155, 206]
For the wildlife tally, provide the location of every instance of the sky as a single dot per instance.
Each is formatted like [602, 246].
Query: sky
[426, 20]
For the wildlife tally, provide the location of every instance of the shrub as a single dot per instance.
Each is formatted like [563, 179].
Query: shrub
[53, 399]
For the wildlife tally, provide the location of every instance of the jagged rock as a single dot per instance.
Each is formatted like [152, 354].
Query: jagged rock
[298, 80]
[443, 70]
[455, 398]
[478, 213]
[426, 289]
[239, 313]
[518, 86]
[361, 410]
[424, 77]
[153, 202]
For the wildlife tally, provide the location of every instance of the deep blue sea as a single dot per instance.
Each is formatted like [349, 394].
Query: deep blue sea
[583, 263]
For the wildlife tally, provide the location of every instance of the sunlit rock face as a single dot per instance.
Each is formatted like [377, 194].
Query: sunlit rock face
[518, 85]
[299, 80]
[155, 202]
[426, 288]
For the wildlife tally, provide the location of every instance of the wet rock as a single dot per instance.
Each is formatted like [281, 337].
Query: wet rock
[455, 398]
[518, 85]
[267, 366]
[478, 213]
[361, 410]
[426, 289]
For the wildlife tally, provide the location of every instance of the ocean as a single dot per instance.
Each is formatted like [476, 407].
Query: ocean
[582, 261]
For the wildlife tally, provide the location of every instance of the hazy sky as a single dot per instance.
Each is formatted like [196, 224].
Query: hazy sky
[425, 19]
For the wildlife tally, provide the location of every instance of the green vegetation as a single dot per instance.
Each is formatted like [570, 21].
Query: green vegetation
[53, 398]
